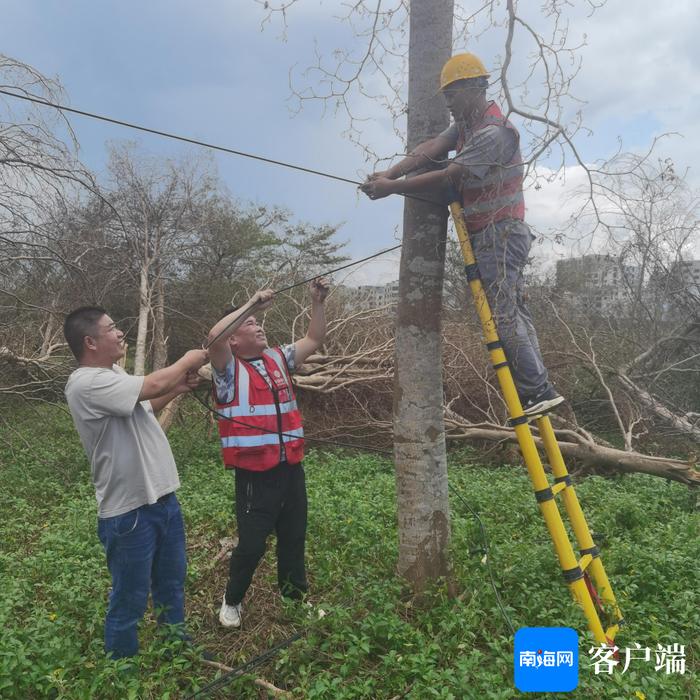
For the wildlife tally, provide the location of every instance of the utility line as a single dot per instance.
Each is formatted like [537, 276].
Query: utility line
[337, 269]
[197, 142]
[176, 137]
[487, 557]
[246, 666]
[223, 331]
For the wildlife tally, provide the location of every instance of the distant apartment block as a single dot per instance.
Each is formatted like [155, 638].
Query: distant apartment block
[677, 289]
[369, 296]
[601, 283]
[597, 282]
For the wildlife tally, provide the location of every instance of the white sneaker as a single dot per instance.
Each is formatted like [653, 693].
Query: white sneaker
[230, 615]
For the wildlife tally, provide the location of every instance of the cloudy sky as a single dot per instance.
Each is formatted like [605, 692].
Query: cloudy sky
[212, 72]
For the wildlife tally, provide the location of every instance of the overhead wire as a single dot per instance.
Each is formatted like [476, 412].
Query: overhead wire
[337, 269]
[176, 137]
[198, 142]
[223, 331]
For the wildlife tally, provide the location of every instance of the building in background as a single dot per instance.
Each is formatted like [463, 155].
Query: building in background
[598, 283]
[368, 296]
[604, 284]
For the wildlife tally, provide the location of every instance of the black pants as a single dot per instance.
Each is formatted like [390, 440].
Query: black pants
[265, 501]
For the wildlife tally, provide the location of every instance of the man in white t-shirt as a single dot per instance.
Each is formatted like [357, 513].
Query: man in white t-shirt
[139, 520]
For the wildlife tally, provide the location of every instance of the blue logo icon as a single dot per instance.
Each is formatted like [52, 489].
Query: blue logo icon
[546, 659]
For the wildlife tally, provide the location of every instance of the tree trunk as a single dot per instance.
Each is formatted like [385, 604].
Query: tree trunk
[48, 334]
[677, 421]
[665, 351]
[142, 332]
[419, 431]
[121, 362]
[168, 413]
[160, 342]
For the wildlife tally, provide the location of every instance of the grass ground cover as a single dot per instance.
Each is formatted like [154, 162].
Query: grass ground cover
[373, 641]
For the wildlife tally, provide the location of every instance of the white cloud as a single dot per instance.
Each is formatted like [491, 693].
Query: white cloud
[378, 271]
[637, 78]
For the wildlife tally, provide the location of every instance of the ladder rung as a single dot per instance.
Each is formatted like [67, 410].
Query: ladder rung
[584, 561]
[612, 631]
[559, 487]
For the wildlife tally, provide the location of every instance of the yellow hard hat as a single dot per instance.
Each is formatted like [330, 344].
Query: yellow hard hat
[462, 67]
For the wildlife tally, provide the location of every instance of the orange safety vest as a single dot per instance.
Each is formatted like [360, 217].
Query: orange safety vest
[499, 194]
[264, 417]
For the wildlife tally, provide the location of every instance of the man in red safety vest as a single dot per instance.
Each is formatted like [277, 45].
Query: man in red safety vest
[488, 172]
[262, 439]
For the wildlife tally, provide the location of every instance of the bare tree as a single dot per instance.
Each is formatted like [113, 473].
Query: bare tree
[39, 175]
[154, 205]
[643, 350]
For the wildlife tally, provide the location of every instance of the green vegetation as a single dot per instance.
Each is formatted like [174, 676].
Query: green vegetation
[373, 642]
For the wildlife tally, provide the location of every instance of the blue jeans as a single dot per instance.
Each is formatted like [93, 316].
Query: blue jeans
[501, 251]
[145, 551]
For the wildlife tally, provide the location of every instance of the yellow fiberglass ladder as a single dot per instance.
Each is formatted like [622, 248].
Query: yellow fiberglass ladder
[586, 577]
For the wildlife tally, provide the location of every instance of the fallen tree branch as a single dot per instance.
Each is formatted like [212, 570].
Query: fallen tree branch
[168, 413]
[47, 357]
[679, 422]
[575, 442]
[591, 455]
[260, 682]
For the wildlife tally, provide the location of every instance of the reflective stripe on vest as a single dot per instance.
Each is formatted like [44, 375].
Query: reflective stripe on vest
[255, 440]
[260, 410]
[499, 195]
[257, 425]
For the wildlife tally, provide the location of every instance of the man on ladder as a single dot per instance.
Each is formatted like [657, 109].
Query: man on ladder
[495, 241]
[487, 169]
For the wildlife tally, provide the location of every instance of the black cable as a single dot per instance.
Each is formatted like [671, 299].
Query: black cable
[337, 269]
[488, 559]
[176, 137]
[209, 343]
[197, 142]
[246, 666]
